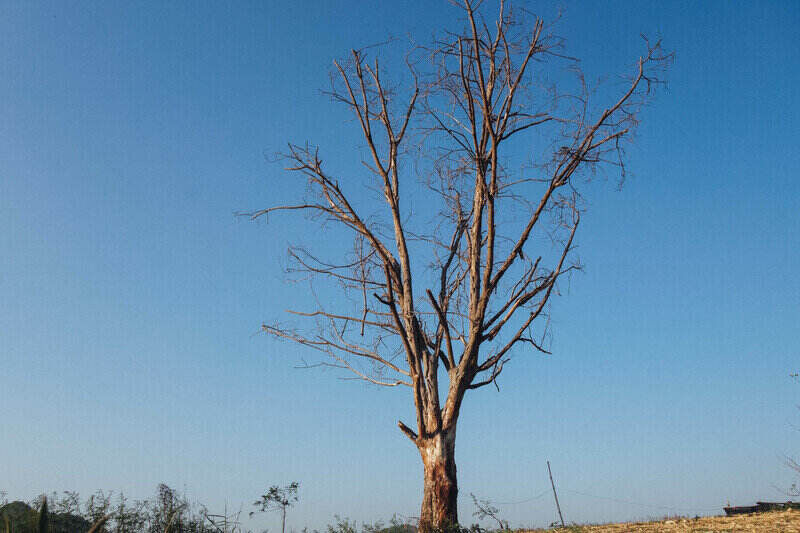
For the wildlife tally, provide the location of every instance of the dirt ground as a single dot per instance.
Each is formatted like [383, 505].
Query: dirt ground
[773, 522]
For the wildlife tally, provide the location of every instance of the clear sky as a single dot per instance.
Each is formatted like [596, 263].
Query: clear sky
[131, 296]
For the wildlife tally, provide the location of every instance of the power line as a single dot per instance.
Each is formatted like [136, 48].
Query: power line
[525, 500]
[629, 502]
[608, 498]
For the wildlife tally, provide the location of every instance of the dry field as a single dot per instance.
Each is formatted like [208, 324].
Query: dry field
[773, 522]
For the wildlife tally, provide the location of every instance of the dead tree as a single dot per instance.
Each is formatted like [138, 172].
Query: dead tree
[440, 306]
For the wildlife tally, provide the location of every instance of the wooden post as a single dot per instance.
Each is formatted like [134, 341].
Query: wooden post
[554, 494]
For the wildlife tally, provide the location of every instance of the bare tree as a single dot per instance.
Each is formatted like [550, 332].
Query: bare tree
[455, 297]
[485, 509]
[224, 522]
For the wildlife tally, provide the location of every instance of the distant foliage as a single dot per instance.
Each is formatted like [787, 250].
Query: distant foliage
[43, 517]
[167, 512]
[278, 499]
[396, 525]
[343, 525]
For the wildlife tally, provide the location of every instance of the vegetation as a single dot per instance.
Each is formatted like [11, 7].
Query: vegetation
[43, 517]
[279, 499]
[485, 509]
[167, 512]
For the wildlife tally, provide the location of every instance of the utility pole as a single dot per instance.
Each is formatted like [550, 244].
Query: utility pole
[554, 494]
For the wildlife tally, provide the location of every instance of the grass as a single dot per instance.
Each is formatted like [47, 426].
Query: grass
[772, 522]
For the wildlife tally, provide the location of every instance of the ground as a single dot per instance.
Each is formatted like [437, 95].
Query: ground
[773, 522]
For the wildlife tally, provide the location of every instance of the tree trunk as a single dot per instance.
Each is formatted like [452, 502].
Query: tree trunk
[440, 497]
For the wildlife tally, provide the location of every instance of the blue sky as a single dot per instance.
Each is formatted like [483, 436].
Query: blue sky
[131, 296]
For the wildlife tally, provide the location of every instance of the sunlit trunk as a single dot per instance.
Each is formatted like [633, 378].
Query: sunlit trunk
[440, 497]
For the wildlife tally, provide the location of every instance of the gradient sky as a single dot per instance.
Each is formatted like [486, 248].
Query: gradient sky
[131, 296]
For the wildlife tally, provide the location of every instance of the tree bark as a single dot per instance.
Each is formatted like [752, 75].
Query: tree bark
[440, 496]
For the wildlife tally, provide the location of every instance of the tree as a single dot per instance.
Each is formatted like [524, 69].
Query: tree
[44, 516]
[129, 518]
[98, 505]
[485, 509]
[454, 297]
[279, 499]
[171, 513]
